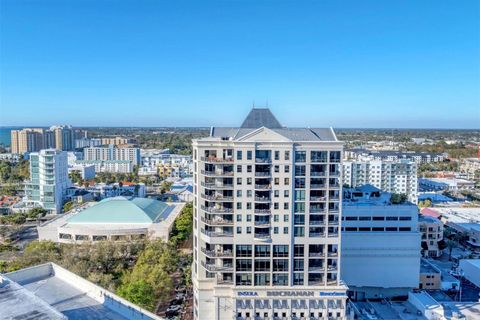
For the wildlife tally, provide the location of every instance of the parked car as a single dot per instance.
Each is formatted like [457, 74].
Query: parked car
[174, 308]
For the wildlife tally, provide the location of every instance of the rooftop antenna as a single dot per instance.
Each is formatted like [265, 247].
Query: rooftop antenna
[253, 104]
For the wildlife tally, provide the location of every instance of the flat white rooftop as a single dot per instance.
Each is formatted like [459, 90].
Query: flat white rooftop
[64, 295]
[459, 215]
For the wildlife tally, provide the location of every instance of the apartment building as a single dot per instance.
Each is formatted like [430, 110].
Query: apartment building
[64, 137]
[48, 180]
[390, 176]
[30, 140]
[470, 167]
[35, 139]
[391, 155]
[116, 141]
[432, 232]
[87, 142]
[267, 213]
[380, 244]
[113, 166]
[112, 153]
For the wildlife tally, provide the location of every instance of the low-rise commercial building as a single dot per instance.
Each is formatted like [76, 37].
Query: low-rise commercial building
[87, 171]
[432, 233]
[470, 269]
[430, 277]
[380, 244]
[129, 189]
[117, 218]
[445, 184]
[462, 220]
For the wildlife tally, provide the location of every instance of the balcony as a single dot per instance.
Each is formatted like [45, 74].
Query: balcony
[213, 159]
[263, 186]
[318, 173]
[317, 234]
[334, 173]
[317, 210]
[218, 186]
[217, 198]
[216, 209]
[214, 268]
[263, 160]
[262, 211]
[332, 282]
[333, 234]
[215, 234]
[217, 254]
[262, 224]
[217, 222]
[316, 269]
[333, 223]
[317, 186]
[223, 281]
[217, 173]
[333, 254]
[317, 222]
[262, 199]
[332, 268]
[263, 174]
[316, 254]
[318, 199]
[262, 236]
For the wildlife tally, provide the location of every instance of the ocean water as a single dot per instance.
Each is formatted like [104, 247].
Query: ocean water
[5, 139]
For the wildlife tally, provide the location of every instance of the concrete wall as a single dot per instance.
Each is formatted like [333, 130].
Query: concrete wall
[47, 232]
[471, 271]
[380, 259]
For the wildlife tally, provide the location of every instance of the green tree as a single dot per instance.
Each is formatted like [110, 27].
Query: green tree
[397, 198]
[450, 245]
[76, 177]
[37, 252]
[36, 213]
[67, 206]
[138, 292]
[183, 225]
[427, 203]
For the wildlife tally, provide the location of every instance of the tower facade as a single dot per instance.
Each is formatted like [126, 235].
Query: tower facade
[48, 180]
[267, 222]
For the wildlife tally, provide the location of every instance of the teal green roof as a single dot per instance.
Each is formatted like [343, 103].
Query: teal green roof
[123, 210]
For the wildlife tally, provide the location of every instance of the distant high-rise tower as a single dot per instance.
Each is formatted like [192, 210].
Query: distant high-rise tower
[267, 222]
[36, 139]
[48, 180]
[64, 137]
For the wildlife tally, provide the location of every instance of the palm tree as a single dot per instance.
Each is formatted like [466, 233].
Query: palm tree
[450, 245]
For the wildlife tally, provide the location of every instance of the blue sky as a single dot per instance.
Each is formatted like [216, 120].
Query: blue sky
[201, 63]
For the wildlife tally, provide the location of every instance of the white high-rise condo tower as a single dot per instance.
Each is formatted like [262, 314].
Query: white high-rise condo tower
[267, 219]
